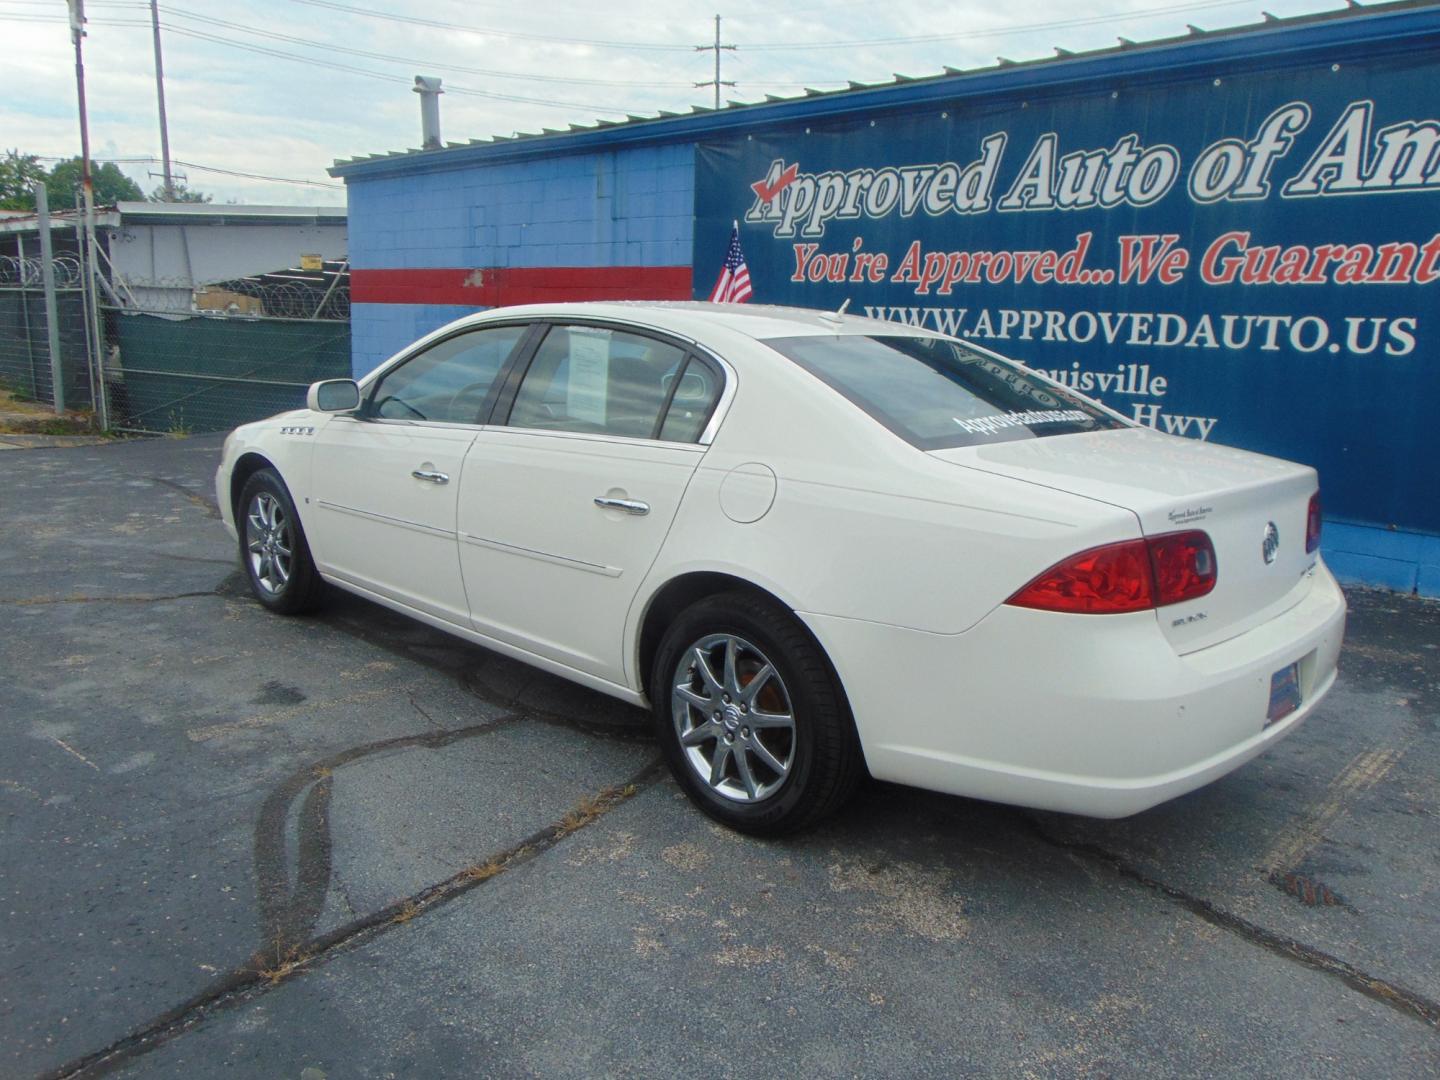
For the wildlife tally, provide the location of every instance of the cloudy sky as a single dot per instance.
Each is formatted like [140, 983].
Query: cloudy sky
[281, 88]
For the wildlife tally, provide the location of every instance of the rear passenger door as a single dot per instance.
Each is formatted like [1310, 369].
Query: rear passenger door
[567, 496]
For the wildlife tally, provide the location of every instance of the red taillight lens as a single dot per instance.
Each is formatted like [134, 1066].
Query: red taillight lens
[1129, 576]
[1184, 565]
[1312, 524]
[1103, 580]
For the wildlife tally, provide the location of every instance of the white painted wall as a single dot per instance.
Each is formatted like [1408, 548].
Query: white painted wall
[163, 264]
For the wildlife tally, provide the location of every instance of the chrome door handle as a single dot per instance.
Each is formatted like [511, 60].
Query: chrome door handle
[629, 506]
[433, 477]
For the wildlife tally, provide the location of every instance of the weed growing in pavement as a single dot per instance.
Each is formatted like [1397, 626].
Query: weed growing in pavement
[408, 911]
[287, 959]
[591, 807]
[486, 870]
[585, 812]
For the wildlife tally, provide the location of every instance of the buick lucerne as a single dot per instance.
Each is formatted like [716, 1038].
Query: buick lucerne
[812, 545]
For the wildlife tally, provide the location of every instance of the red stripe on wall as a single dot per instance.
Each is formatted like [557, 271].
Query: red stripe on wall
[495, 287]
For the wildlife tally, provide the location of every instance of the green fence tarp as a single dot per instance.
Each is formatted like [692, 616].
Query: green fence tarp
[210, 374]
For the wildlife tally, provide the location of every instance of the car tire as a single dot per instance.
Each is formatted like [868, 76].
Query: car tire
[713, 697]
[273, 549]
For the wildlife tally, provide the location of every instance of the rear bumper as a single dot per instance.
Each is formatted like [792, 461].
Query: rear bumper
[1093, 715]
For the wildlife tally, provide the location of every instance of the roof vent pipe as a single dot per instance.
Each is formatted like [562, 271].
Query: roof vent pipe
[428, 87]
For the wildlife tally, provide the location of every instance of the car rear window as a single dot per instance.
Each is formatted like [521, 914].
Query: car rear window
[938, 392]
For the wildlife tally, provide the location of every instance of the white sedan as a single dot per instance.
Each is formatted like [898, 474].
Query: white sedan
[814, 545]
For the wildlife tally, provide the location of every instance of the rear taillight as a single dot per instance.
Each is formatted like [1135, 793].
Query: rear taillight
[1103, 580]
[1312, 524]
[1132, 575]
[1184, 565]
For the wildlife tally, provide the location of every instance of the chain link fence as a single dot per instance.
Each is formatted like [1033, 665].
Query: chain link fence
[174, 358]
[25, 368]
[210, 372]
[181, 358]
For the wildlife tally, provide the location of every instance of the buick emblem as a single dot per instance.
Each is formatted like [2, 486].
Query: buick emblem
[1271, 544]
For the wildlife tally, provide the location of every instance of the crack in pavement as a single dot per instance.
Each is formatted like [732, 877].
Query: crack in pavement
[263, 974]
[209, 505]
[428, 718]
[123, 598]
[228, 587]
[1400, 998]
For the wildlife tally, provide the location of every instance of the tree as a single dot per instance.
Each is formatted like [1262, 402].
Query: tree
[18, 175]
[182, 194]
[110, 184]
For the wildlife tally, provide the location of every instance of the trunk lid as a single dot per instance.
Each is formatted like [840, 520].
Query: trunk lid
[1173, 484]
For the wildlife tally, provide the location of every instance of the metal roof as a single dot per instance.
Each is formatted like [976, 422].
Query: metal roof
[1397, 26]
[163, 213]
[149, 213]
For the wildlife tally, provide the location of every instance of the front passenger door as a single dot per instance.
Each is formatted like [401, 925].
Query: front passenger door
[386, 479]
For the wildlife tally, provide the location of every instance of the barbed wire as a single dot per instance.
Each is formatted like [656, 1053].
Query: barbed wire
[177, 296]
[236, 299]
[27, 272]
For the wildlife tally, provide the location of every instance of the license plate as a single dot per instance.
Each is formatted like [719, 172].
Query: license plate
[1284, 693]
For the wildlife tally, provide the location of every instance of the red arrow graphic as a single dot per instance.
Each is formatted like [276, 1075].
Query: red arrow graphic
[769, 191]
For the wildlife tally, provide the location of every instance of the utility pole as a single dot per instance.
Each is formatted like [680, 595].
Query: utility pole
[87, 188]
[77, 34]
[160, 98]
[716, 82]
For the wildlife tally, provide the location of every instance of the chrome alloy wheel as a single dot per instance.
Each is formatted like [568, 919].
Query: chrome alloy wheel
[734, 718]
[269, 542]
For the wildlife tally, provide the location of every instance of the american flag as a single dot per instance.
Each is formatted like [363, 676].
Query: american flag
[733, 285]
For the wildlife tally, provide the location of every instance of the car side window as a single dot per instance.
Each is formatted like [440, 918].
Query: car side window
[598, 380]
[696, 394]
[448, 382]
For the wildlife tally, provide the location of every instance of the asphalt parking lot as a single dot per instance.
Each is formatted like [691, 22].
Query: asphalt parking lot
[349, 846]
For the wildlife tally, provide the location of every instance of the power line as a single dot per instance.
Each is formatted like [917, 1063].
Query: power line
[1030, 28]
[19, 16]
[201, 168]
[384, 76]
[246, 28]
[265, 50]
[336, 5]
[93, 4]
[391, 57]
[491, 72]
[258, 176]
[416, 20]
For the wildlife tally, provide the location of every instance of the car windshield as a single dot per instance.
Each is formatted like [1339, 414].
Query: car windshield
[938, 392]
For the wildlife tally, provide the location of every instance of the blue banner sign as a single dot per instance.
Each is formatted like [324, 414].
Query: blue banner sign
[1252, 259]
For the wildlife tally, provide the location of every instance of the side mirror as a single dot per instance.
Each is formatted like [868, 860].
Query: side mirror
[333, 395]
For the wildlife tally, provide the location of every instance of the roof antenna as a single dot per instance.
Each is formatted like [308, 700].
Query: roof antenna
[836, 317]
